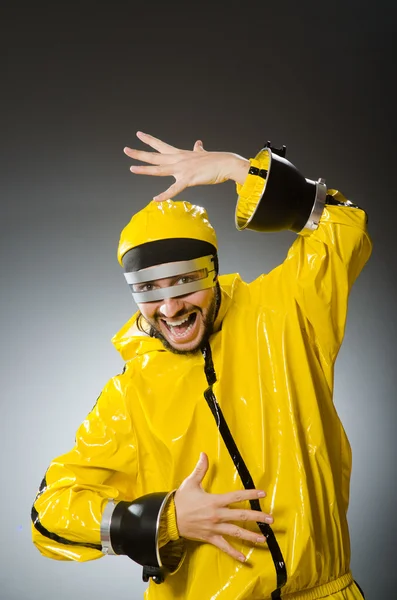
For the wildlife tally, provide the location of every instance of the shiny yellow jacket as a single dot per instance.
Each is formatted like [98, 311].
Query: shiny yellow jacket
[274, 347]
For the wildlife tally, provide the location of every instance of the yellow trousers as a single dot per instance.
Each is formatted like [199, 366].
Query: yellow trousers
[343, 588]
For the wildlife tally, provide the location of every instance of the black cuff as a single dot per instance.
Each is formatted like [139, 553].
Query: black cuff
[289, 201]
[132, 528]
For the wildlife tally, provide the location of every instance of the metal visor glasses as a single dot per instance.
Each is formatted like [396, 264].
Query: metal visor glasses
[188, 276]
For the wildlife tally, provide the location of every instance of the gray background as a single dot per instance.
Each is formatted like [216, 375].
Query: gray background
[78, 82]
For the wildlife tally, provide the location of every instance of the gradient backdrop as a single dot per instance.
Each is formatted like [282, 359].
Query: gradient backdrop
[79, 80]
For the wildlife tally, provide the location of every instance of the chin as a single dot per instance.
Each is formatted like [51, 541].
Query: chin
[184, 348]
[189, 348]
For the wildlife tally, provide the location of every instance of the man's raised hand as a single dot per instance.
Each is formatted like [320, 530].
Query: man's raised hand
[188, 167]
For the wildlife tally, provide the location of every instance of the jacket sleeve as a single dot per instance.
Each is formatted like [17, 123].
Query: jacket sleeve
[67, 511]
[321, 267]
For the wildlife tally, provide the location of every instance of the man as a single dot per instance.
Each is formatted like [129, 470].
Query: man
[238, 375]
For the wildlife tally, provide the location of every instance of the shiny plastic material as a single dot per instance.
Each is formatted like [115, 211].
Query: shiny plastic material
[242, 470]
[274, 347]
[166, 220]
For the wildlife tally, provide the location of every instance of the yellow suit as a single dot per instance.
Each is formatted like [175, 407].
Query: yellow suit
[274, 347]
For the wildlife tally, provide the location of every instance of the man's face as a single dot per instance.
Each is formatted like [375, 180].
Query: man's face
[183, 323]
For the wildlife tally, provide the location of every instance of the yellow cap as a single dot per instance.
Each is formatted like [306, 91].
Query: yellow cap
[166, 220]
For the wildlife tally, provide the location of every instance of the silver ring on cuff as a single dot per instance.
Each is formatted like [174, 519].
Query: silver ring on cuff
[105, 528]
[318, 206]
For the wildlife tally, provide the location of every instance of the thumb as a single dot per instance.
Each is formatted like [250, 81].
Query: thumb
[200, 470]
[198, 146]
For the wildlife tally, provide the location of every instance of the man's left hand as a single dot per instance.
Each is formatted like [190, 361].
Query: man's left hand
[188, 167]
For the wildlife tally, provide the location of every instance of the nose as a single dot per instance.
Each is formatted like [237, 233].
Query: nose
[170, 307]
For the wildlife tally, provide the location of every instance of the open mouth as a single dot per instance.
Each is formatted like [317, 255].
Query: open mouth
[182, 328]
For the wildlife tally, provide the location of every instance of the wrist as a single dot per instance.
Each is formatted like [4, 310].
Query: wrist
[237, 168]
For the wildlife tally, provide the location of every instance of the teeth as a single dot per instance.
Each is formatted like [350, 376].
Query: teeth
[181, 335]
[174, 323]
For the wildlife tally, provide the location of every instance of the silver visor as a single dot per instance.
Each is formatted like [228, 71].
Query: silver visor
[154, 274]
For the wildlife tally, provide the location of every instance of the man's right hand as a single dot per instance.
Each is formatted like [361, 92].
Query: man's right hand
[207, 517]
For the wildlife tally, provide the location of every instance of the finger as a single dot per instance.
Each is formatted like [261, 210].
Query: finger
[236, 514]
[199, 471]
[154, 158]
[223, 545]
[174, 189]
[156, 143]
[239, 532]
[240, 496]
[159, 171]
[198, 146]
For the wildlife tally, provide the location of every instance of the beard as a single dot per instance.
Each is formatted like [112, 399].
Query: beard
[208, 320]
